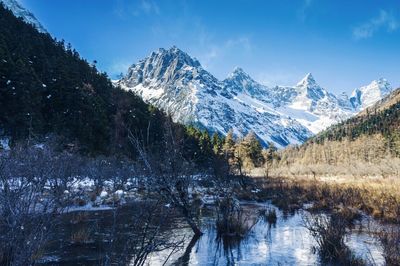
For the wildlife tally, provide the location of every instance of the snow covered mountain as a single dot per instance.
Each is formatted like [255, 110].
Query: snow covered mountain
[176, 83]
[26, 15]
[368, 95]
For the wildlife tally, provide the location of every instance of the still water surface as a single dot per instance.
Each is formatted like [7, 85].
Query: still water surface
[287, 242]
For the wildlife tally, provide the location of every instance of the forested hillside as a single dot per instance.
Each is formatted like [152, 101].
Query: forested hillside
[382, 118]
[367, 144]
[47, 88]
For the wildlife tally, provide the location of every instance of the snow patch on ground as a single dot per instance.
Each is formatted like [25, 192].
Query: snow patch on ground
[5, 143]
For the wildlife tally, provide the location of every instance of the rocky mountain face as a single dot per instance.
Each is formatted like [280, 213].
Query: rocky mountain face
[176, 83]
[26, 15]
[368, 95]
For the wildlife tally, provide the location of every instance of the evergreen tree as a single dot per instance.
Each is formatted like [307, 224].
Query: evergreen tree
[46, 88]
[229, 146]
[250, 151]
[270, 154]
[217, 144]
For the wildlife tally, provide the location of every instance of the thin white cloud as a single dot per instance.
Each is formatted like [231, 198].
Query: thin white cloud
[303, 10]
[214, 52]
[149, 7]
[119, 9]
[242, 42]
[276, 77]
[384, 20]
[123, 8]
[209, 56]
[119, 67]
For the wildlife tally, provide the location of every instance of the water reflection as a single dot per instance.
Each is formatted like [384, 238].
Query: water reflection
[287, 242]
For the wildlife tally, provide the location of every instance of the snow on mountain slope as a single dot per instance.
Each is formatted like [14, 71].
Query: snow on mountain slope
[176, 83]
[368, 95]
[307, 102]
[172, 81]
[314, 107]
[26, 15]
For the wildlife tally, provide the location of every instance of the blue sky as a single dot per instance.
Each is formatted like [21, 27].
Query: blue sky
[345, 44]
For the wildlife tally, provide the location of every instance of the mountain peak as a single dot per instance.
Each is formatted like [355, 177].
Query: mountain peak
[380, 84]
[175, 49]
[366, 96]
[167, 66]
[175, 54]
[307, 81]
[238, 70]
[19, 11]
[239, 73]
[283, 115]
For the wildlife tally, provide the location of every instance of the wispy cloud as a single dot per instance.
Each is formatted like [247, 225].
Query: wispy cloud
[118, 67]
[124, 8]
[147, 7]
[385, 20]
[212, 52]
[209, 55]
[241, 42]
[119, 9]
[277, 77]
[303, 10]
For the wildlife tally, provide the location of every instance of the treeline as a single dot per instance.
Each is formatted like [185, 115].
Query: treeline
[365, 145]
[47, 88]
[385, 123]
[367, 155]
[241, 153]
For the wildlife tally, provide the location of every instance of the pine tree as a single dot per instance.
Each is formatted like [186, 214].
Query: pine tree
[250, 151]
[217, 144]
[229, 146]
[269, 154]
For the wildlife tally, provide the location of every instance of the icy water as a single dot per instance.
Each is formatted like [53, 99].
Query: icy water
[287, 242]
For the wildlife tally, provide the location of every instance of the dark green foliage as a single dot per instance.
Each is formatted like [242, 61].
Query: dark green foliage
[270, 153]
[386, 122]
[203, 148]
[217, 143]
[229, 146]
[46, 88]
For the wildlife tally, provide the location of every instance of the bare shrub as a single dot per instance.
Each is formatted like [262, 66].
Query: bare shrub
[329, 234]
[268, 215]
[171, 176]
[390, 241]
[115, 171]
[32, 181]
[232, 220]
[142, 234]
[81, 236]
[38, 184]
[377, 197]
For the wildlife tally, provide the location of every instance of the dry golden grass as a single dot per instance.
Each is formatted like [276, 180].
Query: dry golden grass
[378, 197]
[348, 197]
[365, 156]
